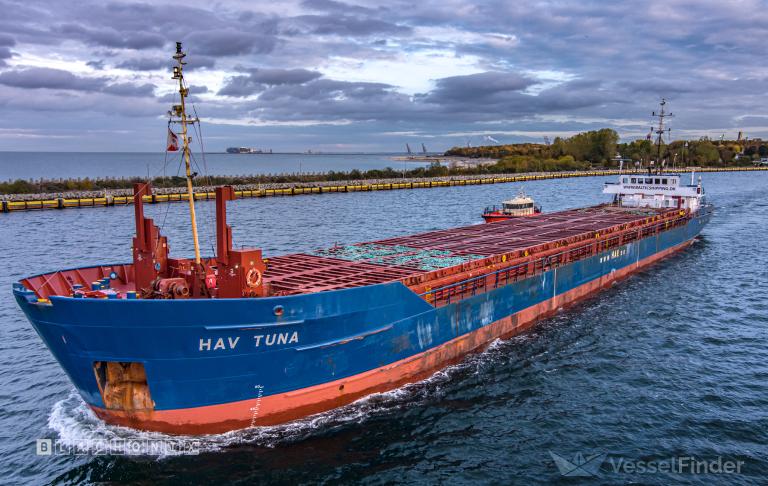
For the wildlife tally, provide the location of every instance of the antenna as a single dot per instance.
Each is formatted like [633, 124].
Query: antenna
[661, 115]
[180, 111]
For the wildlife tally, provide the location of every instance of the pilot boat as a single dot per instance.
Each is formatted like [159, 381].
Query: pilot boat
[520, 206]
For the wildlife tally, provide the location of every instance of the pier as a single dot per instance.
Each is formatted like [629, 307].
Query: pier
[121, 197]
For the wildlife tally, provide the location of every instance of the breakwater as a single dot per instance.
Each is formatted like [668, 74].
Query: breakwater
[82, 199]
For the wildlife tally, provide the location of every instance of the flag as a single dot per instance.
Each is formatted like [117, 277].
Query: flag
[173, 141]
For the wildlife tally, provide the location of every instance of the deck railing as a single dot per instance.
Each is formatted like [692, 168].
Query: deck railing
[444, 295]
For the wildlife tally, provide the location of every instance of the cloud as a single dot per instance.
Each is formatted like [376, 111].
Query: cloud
[7, 41]
[97, 64]
[5, 53]
[58, 79]
[283, 76]
[198, 89]
[107, 37]
[657, 86]
[335, 7]
[36, 78]
[200, 62]
[333, 67]
[164, 63]
[328, 90]
[57, 107]
[226, 42]
[487, 87]
[144, 64]
[130, 89]
[479, 98]
[347, 25]
[258, 80]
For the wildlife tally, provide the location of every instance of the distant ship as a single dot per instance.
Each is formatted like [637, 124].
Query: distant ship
[247, 150]
[232, 340]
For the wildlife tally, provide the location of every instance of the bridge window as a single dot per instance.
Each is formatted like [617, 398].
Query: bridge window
[518, 206]
[663, 181]
[657, 181]
[649, 181]
[625, 180]
[634, 180]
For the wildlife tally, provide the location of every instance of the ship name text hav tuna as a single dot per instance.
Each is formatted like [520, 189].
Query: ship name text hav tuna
[213, 343]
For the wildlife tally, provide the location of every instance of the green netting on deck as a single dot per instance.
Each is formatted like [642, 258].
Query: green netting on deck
[397, 255]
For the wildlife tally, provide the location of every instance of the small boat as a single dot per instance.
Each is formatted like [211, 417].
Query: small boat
[520, 206]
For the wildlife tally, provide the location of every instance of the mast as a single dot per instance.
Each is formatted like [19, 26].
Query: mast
[661, 115]
[181, 112]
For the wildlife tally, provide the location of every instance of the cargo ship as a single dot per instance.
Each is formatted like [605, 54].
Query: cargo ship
[520, 206]
[212, 344]
[247, 150]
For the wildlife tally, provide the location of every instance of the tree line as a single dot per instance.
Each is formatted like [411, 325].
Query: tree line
[600, 148]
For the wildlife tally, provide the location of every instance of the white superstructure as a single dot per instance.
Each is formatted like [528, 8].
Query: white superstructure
[656, 191]
[521, 205]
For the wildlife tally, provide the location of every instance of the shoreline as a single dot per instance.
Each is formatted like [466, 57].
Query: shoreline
[100, 198]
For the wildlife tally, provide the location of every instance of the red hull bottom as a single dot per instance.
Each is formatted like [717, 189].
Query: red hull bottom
[289, 406]
[494, 217]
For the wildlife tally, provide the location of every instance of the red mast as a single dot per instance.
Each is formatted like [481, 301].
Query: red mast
[240, 273]
[150, 248]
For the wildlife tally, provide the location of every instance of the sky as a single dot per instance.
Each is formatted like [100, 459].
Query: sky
[370, 76]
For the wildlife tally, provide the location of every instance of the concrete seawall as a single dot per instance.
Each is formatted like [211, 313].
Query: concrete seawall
[81, 199]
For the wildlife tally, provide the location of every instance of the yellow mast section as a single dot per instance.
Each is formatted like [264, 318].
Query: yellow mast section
[182, 112]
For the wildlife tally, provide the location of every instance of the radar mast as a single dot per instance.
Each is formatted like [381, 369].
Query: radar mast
[180, 112]
[660, 130]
